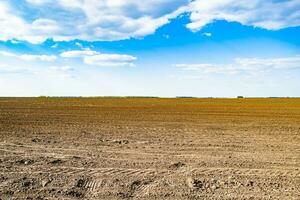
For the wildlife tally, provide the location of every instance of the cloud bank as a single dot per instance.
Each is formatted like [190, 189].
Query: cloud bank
[106, 20]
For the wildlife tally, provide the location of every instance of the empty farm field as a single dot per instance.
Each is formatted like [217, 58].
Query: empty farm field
[149, 148]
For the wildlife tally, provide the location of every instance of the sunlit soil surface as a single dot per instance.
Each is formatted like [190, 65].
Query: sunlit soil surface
[149, 148]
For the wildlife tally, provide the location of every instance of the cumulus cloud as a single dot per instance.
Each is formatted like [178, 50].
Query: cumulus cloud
[91, 20]
[271, 14]
[9, 23]
[245, 65]
[29, 57]
[107, 20]
[98, 59]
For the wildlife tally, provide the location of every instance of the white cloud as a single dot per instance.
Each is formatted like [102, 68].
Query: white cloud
[166, 36]
[98, 59]
[46, 58]
[271, 15]
[54, 45]
[107, 20]
[11, 26]
[207, 34]
[209, 68]
[271, 63]
[64, 72]
[65, 68]
[14, 27]
[78, 53]
[7, 54]
[29, 57]
[79, 44]
[245, 65]
[92, 20]
[47, 26]
[5, 68]
[14, 41]
[110, 60]
[39, 2]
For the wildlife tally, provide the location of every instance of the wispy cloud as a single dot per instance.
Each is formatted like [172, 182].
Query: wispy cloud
[8, 69]
[52, 71]
[78, 53]
[65, 68]
[29, 57]
[98, 59]
[245, 65]
[64, 71]
[37, 65]
[207, 34]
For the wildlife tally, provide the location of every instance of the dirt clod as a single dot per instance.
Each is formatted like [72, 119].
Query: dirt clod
[177, 165]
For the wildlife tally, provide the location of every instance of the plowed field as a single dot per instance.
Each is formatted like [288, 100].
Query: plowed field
[149, 148]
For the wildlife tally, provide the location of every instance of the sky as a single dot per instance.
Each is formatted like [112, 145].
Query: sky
[167, 48]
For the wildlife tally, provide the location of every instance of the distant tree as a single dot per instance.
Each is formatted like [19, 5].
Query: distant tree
[240, 97]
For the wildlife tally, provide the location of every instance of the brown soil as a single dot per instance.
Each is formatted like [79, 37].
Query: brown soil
[135, 148]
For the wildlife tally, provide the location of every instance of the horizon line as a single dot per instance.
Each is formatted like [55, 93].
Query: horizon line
[159, 97]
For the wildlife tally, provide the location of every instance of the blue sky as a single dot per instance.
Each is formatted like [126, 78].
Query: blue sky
[164, 48]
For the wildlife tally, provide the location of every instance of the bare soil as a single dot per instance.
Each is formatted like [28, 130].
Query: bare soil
[147, 148]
